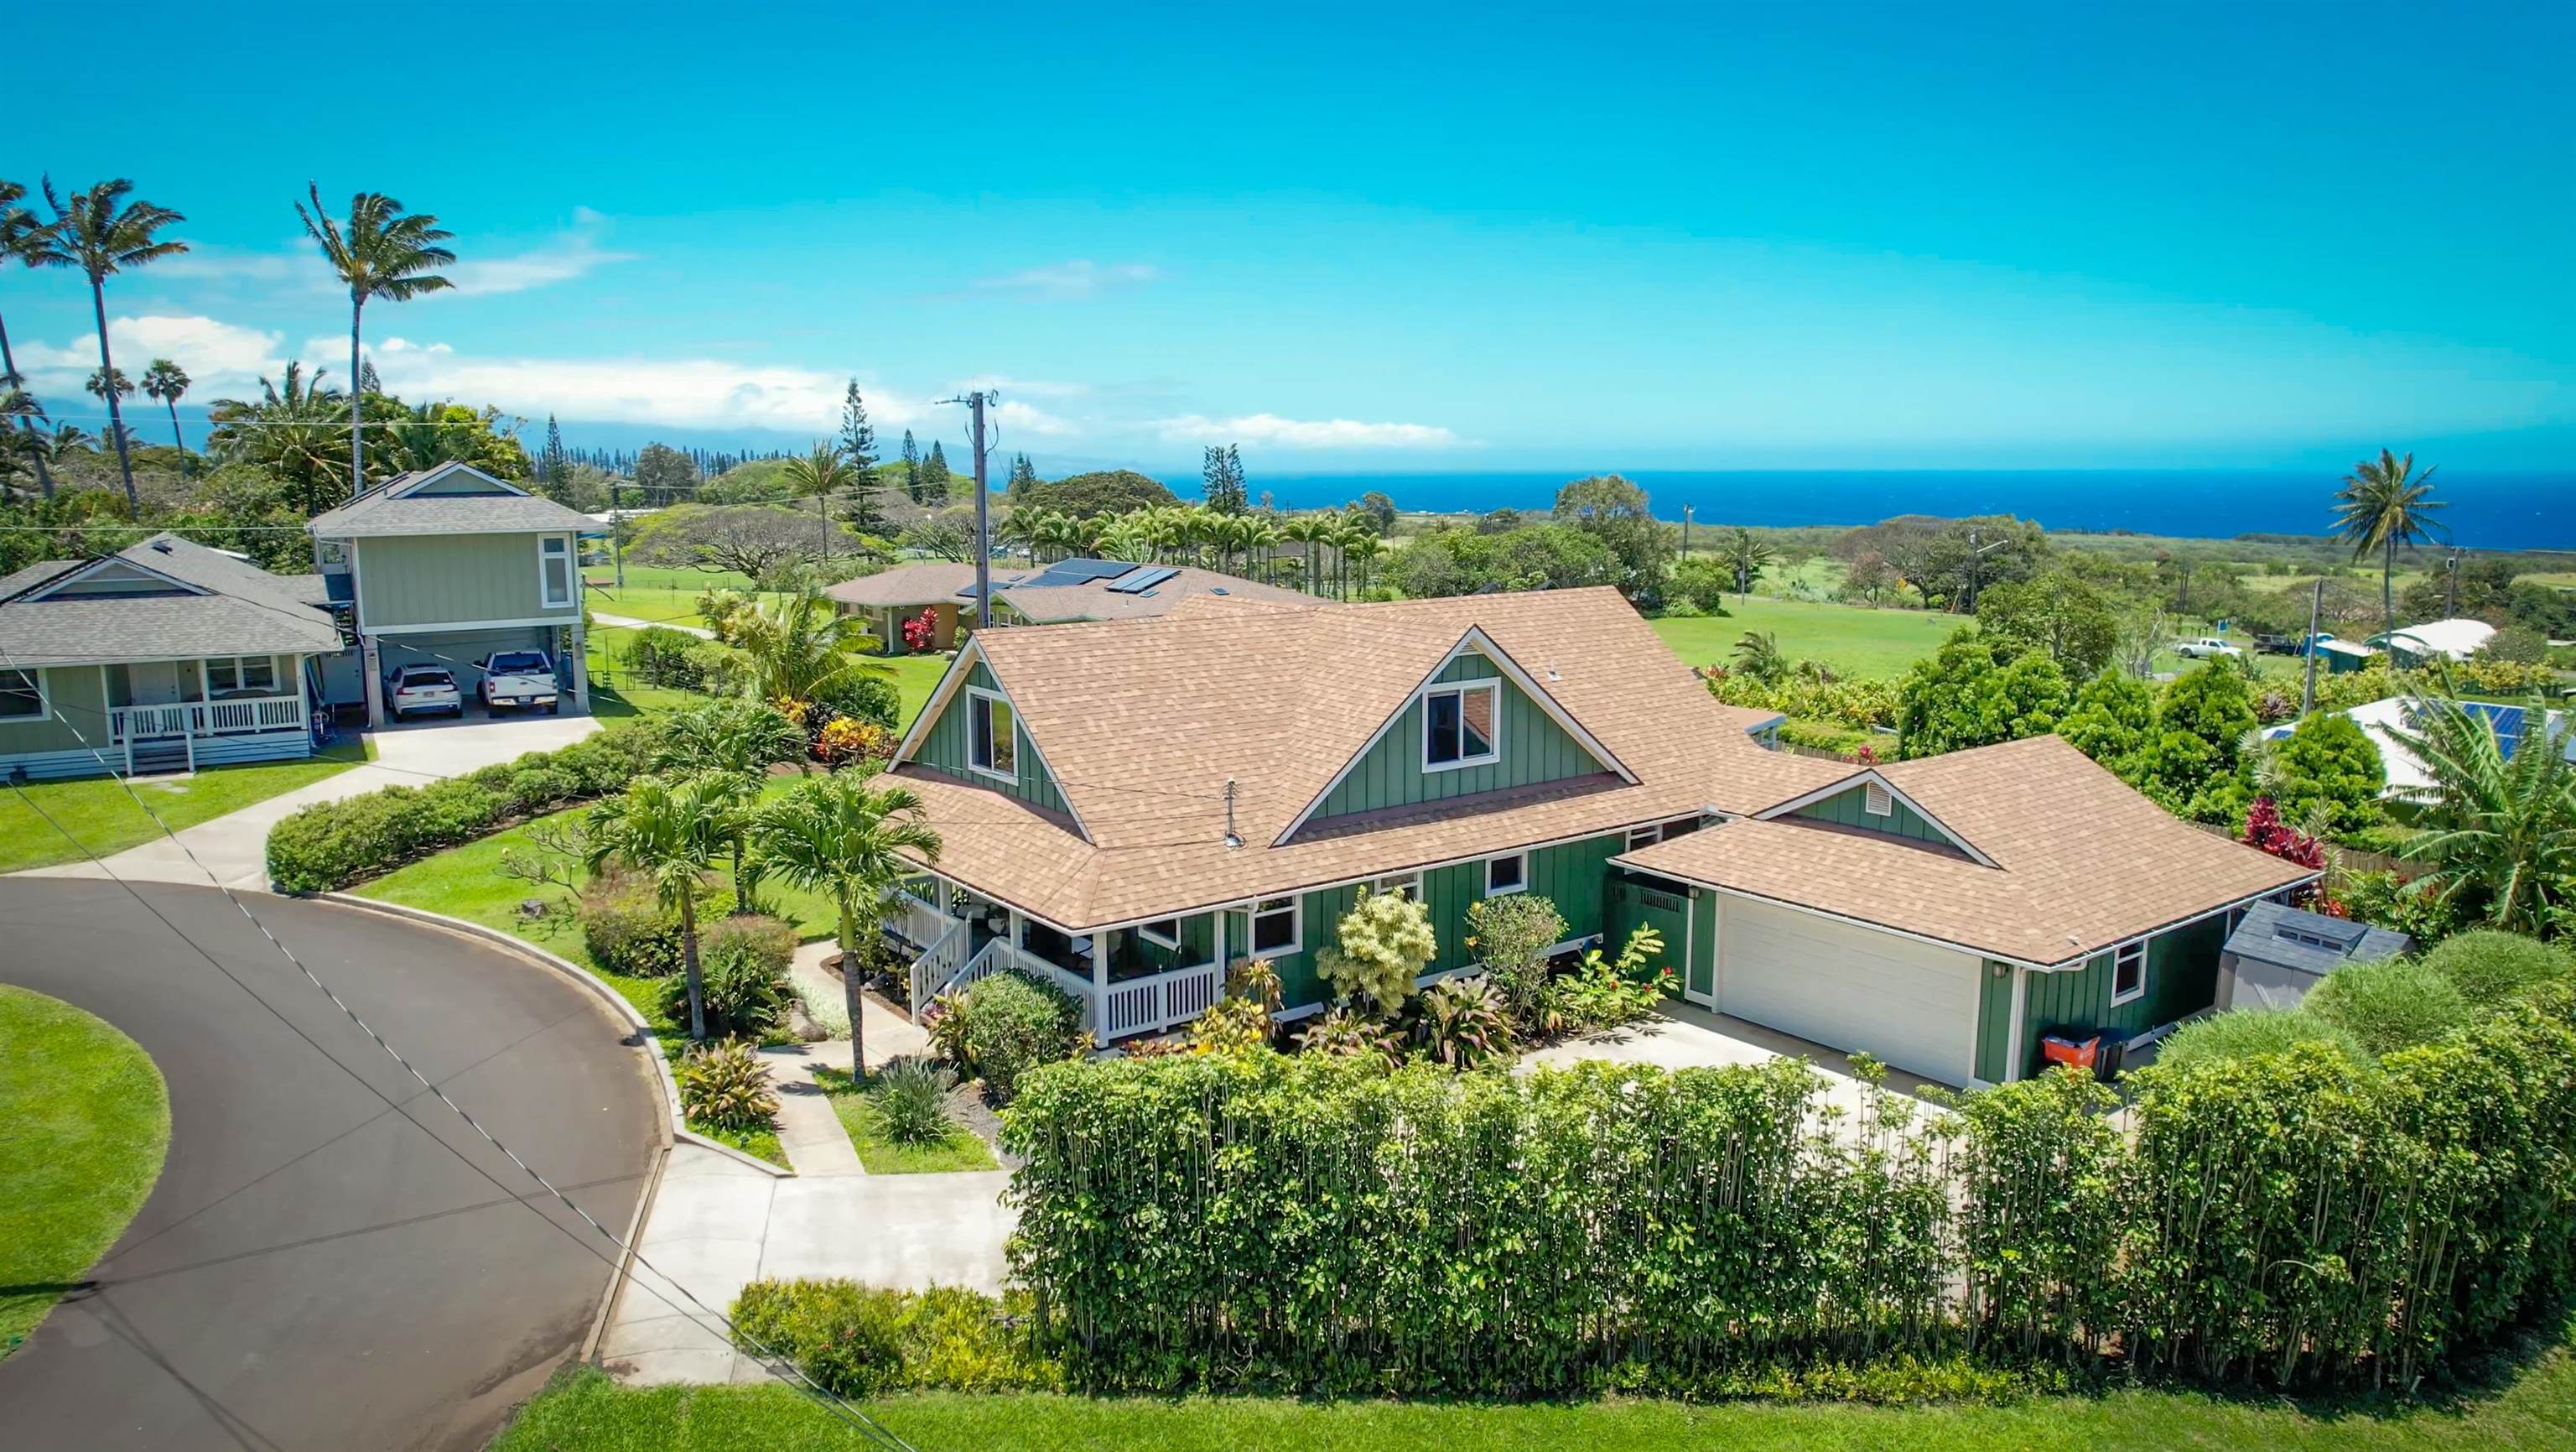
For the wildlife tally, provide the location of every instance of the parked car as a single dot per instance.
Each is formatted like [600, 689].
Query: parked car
[412, 689]
[520, 679]
[2204, 648]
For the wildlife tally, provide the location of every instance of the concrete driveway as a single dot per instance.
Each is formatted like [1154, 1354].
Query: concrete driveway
[235, 847]
[331, 1260]
[1685, 1035]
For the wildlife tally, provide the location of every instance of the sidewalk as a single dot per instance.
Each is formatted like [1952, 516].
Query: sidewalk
[629, 622]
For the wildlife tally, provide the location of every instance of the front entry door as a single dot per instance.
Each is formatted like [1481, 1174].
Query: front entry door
[1637, 900]
[155, 683]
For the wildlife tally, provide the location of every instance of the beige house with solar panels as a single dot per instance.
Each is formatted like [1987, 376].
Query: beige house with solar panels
[1053, 594]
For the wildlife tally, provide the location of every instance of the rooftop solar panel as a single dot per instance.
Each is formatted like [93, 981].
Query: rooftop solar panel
[1138, 584]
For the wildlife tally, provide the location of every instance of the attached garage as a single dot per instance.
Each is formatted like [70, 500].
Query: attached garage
[1849, 987]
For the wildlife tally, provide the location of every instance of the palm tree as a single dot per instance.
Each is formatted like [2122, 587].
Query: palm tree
[821, 474]
[102, 234]
[670, 833]
[168, 382]
[837, 834]
[380, 253]
[1362, 544]
[102, 380]
[2499, 832]
[1757, 654]
[737, 739]
[17, 403]
[18, 230]
[1262, 538]
[2384, 503]
[293, 431]
[1747, 556]
[800, 647]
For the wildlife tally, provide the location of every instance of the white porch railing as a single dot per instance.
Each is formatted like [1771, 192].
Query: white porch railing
[236, 717]
[917, 923]
[1163, 1001]
[1132, 1006]
[938, 964]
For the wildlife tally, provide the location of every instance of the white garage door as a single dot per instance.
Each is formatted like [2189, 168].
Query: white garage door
[1850, 988]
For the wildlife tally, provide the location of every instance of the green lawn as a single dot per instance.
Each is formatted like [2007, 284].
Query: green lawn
[963, 1150]
[84, 1118]
[615, 694]
[657, 592]
[105, 819]
[1853, 639]
[760, 1144]
[583, 1411]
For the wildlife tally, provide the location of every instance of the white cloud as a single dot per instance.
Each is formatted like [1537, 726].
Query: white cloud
[1017, 415]
[1079, 278]
[220, 357]
[1033, 387]
[1292, 433]
[299, 266]
[686, 393]
[568, 257]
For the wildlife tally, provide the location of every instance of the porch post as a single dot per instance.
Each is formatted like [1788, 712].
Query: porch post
[580, 668]
[1219, 915]
[1100, 989]
[2020, 1008]
[368, 657]
[1015, 931]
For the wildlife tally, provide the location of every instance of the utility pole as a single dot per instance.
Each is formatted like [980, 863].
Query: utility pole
[2316, 605]
[978, 401]
[616, 532]
[1686, 513]
[2451, 600]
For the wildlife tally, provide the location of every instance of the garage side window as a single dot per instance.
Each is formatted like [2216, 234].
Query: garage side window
[554, 570]
[2129, 972]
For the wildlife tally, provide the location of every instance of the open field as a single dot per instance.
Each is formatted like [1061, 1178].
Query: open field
[84, 1119]
[1854, 639]
[106, 820]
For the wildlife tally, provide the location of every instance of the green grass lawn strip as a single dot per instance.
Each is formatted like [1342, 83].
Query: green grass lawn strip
[962, 1150]
[98, 812]
[84, 1120]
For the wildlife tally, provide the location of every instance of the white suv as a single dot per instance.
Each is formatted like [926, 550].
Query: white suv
[523, 679]
[2204, 648]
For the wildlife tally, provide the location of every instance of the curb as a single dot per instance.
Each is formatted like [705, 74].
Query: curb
[676, 1126]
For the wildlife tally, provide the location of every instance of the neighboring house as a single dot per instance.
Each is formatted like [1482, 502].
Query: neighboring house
[2278, 953]
[2452, 640]
[448, 565]
[166, 656]
[1067, 590]
[2341, 657]
[2380, 720]
[1128, 808]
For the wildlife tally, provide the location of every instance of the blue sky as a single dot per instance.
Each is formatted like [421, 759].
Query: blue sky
[1384, 237]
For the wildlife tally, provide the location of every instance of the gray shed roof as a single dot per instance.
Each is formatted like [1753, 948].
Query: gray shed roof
[244, 611]
[393, 508]
[1078, 589]
[2288, 937]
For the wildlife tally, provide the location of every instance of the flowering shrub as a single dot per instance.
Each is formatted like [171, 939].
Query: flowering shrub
[1859, 702]
[846, 741]
[2265, 830]
[1386, 941]
[921, 629]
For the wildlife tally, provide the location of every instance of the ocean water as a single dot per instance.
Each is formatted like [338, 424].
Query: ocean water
[2490, 510]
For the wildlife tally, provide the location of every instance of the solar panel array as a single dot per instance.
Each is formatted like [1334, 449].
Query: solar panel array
[1141, 583]
[1077, 572]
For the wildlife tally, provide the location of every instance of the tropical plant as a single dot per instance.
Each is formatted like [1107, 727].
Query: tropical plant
[2499, 838]
[381, 252]
[168, 382]
[1977, 690]
[1757, 654]
[911, 1095]
[1385, 943]
[1341, 1032]
[102, 234]
[2492, 968]
[1746, 555]
[819, 476]
[745, 965]
[1239, 1022]
[1465, 1024]
[725, 1086]
[292, 430]
[668, 833]
[18, 230]
[839, 835]
[801, 649]
[103, 381]
[2395, 1003]
[745, 738]
[1606, 993]
[1009, 1024]
[1512, 936]
[2384, 503]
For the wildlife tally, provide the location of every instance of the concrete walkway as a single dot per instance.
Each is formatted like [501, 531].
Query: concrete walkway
[1684, 1035]
[234, 847]
[629, 622]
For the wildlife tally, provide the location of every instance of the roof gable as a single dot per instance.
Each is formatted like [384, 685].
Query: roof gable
[111, 576]
[449, 479]
[1849, 803]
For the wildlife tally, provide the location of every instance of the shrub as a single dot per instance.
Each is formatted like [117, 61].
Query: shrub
[1009, 1024]
[860, 1341]
[742, 962]
[1239, 1021]
[2388, 900]
[2491, 968]
[872, 700]
[1464, 1024]
[912, 1101]
[1386, 941]
[2244, 1033]
[726, 1086]
[626, 929]
[2390, 1005]
[659, 656]
[1605, 994]
[1511, 936]
[845, 741]
[539, 789]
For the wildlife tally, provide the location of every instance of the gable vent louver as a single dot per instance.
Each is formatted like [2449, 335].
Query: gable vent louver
[1875, 800]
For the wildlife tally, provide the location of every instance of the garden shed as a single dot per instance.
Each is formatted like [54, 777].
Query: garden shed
[2278, 953]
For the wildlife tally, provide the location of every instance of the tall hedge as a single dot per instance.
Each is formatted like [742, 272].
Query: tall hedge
[1318, 1224]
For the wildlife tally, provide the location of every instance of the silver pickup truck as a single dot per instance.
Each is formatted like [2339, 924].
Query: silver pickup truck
[520, 679]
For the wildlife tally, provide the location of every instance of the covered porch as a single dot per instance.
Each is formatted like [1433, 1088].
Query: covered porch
[179, 715]
[1142, 978]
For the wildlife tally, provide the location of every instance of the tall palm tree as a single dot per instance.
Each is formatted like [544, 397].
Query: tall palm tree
[102, 381]
[839, 835]
[293, 431]
[2499, 832]
[384, 253]
[1363, 545]
[1748, 556]
[821, 474]
[1261, 540]
[2384, 503]
[168, 382]
[737, 739]
[102, 234]
[668, 832]
[18, 230]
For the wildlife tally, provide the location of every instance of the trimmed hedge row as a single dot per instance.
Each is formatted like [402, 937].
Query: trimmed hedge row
[1273, 1222]
[330, 845]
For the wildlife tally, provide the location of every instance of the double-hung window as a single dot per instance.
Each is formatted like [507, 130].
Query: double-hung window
[1459, 726]
[1406, 885]
[1278, 926]
[2129, 971]
[1505, 875]
[22, 696]
[993, 747]
[248, 675]
[554, 570]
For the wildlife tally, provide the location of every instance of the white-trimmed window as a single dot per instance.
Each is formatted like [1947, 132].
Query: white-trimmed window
[1162, 932]
[993, 743]
[241, 675]
[1461, 726]
[2129, 972]
[1506, 875]
[1644, 837]
[554, 570]
[1278, 926]
[1406, 885]
[22, 696]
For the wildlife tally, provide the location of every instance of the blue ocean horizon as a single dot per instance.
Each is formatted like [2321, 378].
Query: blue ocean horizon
[2491, 509]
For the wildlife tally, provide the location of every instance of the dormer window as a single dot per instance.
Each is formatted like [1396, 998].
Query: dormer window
[1458, 726]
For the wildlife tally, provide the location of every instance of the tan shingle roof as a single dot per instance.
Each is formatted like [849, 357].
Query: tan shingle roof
[1144, 722]
[2082, 862]
[933, 583]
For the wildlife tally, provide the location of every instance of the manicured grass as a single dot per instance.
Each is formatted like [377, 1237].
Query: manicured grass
[915, 676]
[657, 592]
[760, 1144]
[856, 1105]
[1854, 639]
[583, 1411]
[615, 692]
[98, 812]
[84, 1119]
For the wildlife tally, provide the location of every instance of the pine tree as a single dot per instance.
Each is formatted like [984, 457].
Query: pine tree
[934, 476]
[1222, 472]
[1024, 477]
[554, 466]
[911, 467]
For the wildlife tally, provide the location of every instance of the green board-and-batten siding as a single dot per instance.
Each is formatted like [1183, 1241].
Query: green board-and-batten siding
[447, 579]
[1850, 809]
[1994, 1022]
[1534, 749]
[78, 721]
[2182, 979]
[946, 748]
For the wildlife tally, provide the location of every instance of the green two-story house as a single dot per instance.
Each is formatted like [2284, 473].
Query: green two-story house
[1127, 807]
